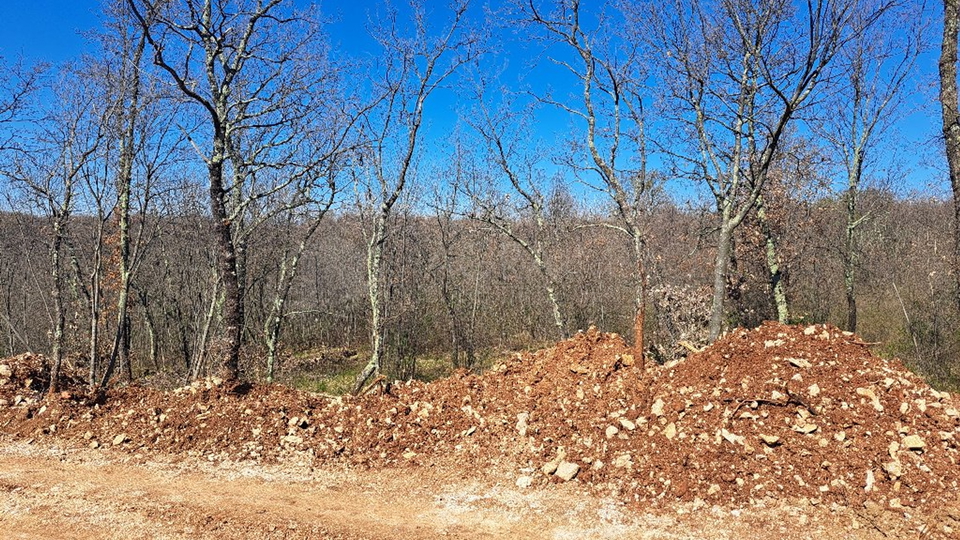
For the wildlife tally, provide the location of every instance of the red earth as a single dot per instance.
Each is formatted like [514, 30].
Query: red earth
[791, 431]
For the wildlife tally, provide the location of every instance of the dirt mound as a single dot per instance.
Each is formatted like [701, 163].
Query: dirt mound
[28, 375]
[802, 411]
[776, 412]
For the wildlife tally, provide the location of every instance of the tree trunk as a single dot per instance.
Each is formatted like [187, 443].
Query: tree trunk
[773, 264]
[951, 121]
[374, 280]
[551, 289]
[850, 256]
[720, 270]
[59, 309]
[640, 300]
[274, 322]
[227, 269]
[95, 307]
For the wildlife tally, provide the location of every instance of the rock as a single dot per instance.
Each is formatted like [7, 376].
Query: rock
[670, 431]
[814, 390]
[94, 445]
[657, 407]
[408, 455]
[522, 423]
[913, 442]
[5, 371]
[713, 490]
[892, 449]
[627, 424]
[870, 481]
[770, 440]
[805, 428]
[550, 467]
[88, 435]
[611, 431]
[567, 470]
[872, 396]
[799, 362]
[120, 439]
[524, 481]
[893, 469]
[731, 437]
[623, 461]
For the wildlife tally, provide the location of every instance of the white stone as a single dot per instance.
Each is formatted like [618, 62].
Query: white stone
[913, 442]
[522, 423]
[770, 440]
[657, 408]
[567, 470]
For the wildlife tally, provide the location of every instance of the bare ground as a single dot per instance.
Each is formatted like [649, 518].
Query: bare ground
[779, 432]
[46, 492]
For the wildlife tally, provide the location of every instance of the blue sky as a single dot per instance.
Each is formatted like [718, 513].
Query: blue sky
[51, 31]
[47, 30]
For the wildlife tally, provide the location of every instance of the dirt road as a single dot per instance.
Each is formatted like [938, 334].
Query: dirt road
[44, 494]
[47, 492]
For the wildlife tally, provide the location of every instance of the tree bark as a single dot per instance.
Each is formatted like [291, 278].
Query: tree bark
[951, 121]
[773, 264]
[227, 266]
[375, 293]
[59, 308]
[720, 271]
[850, 247]
[640, 301]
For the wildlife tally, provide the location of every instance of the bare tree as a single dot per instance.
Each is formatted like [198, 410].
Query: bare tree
[609, 109]
[413, 68]
[301, 224]
[736, 72]
[951, 119]
[451, 232]
[511, 155]
[874, 69]
[48, 164]
[255, 70]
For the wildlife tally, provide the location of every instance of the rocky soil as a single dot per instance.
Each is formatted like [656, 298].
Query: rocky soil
[779, 415]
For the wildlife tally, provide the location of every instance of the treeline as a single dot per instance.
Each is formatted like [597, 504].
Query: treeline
[222, 185]
[461, 291]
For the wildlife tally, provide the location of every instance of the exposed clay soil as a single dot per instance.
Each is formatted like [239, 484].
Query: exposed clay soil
[795, 432]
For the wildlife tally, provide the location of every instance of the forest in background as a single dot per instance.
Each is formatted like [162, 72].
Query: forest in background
[221, 191]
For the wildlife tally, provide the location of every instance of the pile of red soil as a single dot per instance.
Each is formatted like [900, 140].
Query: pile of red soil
[776, 412]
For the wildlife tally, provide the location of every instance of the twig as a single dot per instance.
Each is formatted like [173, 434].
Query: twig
[370, 386]
[916, 346]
